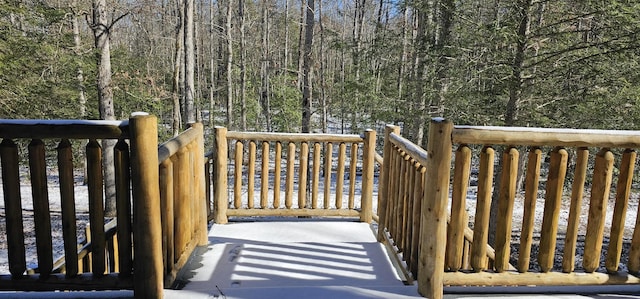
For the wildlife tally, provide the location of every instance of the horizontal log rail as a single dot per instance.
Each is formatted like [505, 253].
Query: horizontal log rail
[263, 168]
[592, 175]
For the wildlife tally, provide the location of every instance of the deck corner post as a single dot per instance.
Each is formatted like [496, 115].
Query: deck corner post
[368, 161]
[384, 179]
[148, 275]
[433, 230]
[220, 196]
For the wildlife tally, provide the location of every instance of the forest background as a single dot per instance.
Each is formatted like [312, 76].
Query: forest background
[297, 65]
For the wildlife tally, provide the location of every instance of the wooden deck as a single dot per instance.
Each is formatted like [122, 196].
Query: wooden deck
[301, 258]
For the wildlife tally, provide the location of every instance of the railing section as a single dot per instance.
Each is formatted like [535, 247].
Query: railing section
[182, 199]
[107, 262]
[415, 206]
[569, 152]
[266, 168]
[163, 186]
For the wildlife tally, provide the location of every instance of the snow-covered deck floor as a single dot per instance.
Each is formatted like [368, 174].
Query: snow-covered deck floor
[293, 259]
[313, 259]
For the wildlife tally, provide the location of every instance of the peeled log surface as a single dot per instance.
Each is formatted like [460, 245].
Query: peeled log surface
[515, 136]
[512, 278]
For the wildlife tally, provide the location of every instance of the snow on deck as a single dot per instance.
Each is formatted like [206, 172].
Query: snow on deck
[292, 259]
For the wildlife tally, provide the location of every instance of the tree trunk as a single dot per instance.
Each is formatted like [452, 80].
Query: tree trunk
[404, 57]
[264, 70]
[229, 66]
[515, 92]
[82, 100]
[212, 67]
[358, 23]
[301, 39]
[189, 63]
[178, 63]
[323, 87]
[243, 67]
[101, 28]
[307, 88]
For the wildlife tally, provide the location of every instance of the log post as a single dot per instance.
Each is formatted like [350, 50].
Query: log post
[220, 196]
[434, 210]
[368, 161]
[384, 179]
[147, 231]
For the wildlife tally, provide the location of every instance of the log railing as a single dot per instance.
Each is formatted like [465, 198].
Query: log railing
[163, 186]
[309, 161]
[182, 198]
[400, 197]
[16, 132]
[443, 249]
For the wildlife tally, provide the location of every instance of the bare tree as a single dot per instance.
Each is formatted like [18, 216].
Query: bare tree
[189, 62]
[178, 66]
[264, 68]
[243, 66]
[77, 48]
[229, 65]
[306, 86]
[101, 31]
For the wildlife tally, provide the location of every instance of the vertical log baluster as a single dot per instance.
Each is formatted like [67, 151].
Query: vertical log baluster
[291, 160]
[602, 176]
[277, 174]
[418, 194]
[577, 191]
[505, 208]
[461, 174]
[264, 176]
[394, 198]
[368, 161]
[13, 207]
[328, 161]
[408, 215]
[483, 204]
[65, 170]
[251, 175]
[237, 175]
[167, 217]
[342, 150]
[353, 164]
[623, 191]
[404, 198]
[181, 204]
[123, 206]
[532, 180]
[302, 175]
[96, 209]
[317, 152]
[553, 199]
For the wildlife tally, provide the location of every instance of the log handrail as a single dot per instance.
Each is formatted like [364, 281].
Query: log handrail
[545, 137]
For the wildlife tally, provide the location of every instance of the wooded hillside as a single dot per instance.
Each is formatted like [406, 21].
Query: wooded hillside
[255, 65]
